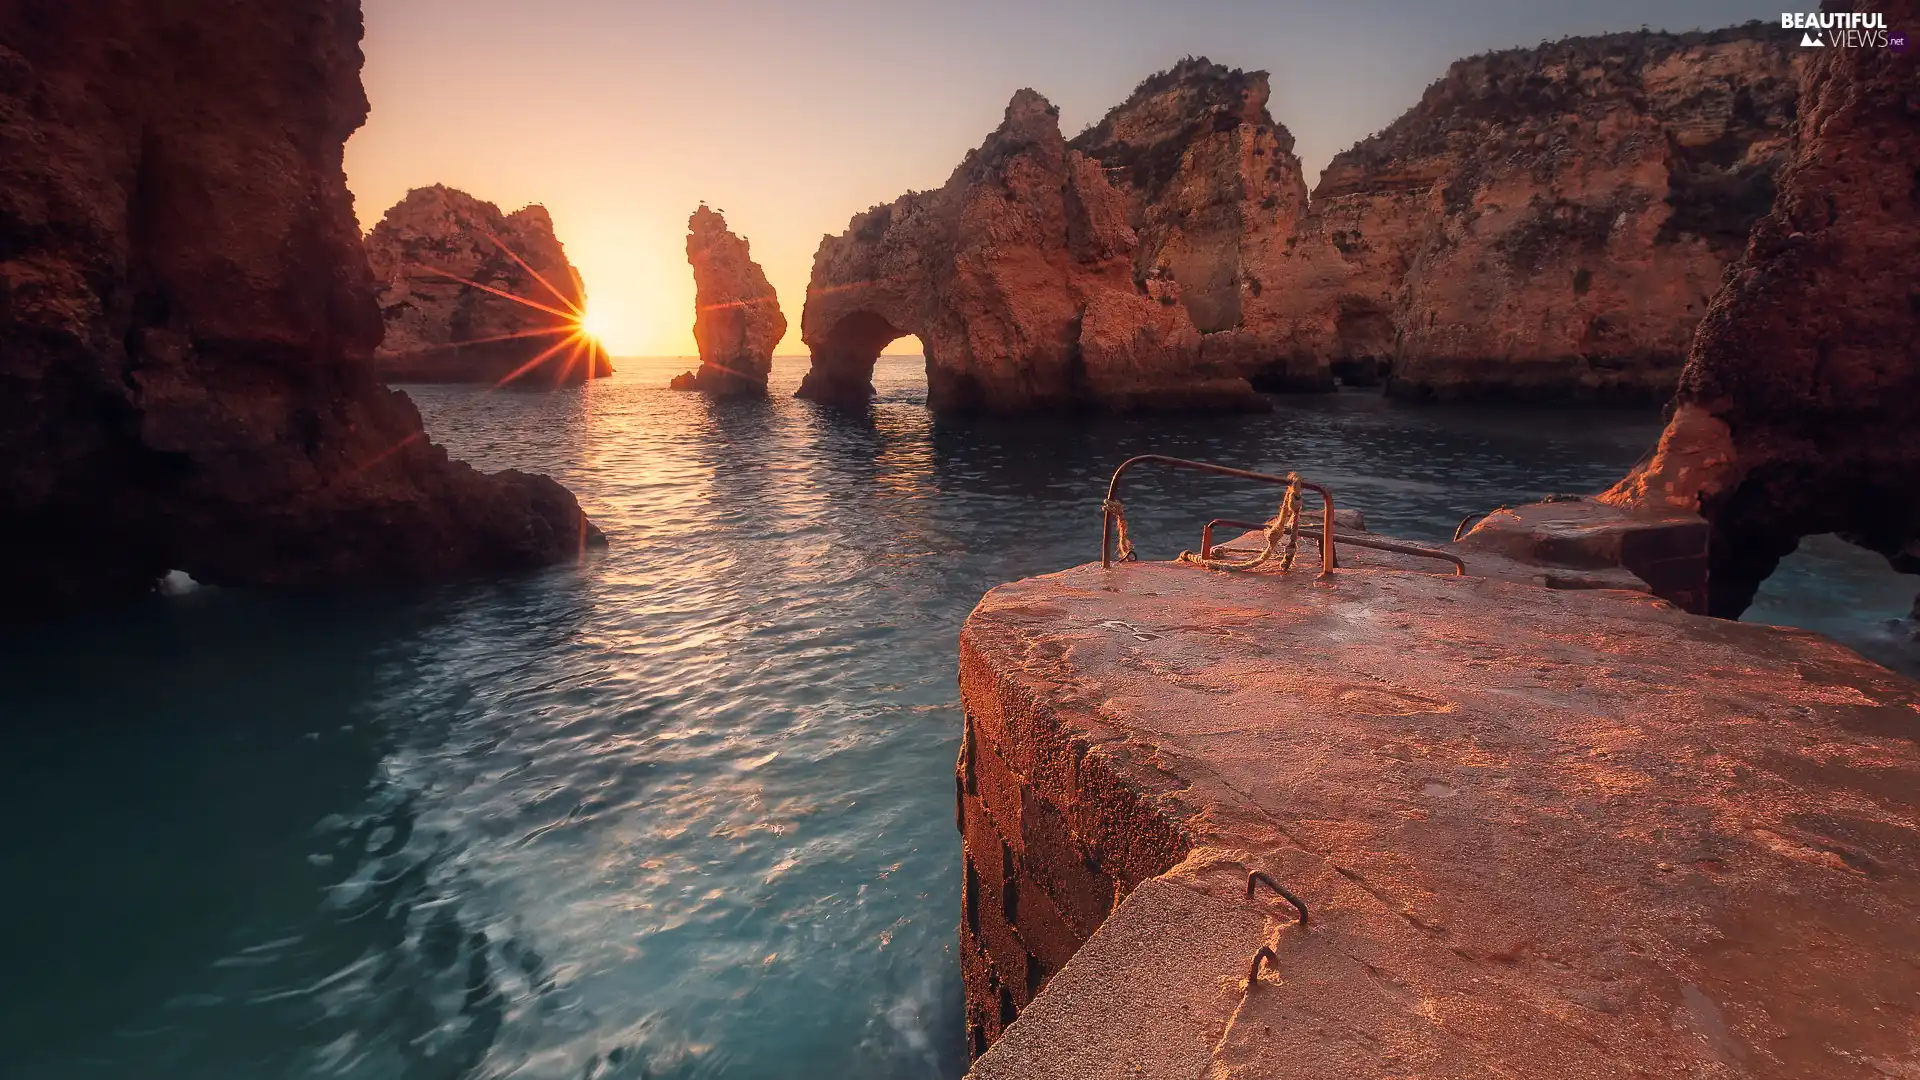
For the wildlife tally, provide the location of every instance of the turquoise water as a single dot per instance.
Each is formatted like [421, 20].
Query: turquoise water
[682, 811]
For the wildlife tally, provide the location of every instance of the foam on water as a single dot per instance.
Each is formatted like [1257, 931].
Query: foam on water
[684, 810]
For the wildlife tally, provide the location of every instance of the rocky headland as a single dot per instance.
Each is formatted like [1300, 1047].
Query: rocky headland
[1799, 409]
[737, 321]
[1020, 276]
[1547, 223]
[470, 294]
[187, 321]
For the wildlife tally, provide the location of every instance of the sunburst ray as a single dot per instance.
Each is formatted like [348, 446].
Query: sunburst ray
[502, 293]
[578, 311]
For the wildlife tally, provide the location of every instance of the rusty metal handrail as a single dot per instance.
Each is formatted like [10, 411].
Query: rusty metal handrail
[1459, 564]
[1113, 490]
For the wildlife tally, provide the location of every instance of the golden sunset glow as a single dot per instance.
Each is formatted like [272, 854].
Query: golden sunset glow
[579, 334]
[595, 324]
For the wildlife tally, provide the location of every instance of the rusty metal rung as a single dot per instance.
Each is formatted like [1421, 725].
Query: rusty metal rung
[1253, 973]
[1256, 877]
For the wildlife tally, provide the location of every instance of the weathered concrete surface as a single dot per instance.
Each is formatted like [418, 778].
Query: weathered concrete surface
[1571, 542]
[1157, 962]
[1585, 543]
[1542, 833]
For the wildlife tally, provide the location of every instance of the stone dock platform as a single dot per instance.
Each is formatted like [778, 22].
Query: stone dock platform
[1538, 833]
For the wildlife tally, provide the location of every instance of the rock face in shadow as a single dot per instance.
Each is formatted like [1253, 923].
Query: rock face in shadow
[1546, 223]
[449, 267]
[187, 320]
[1799, 410]
[1019, 277]
[737, 321]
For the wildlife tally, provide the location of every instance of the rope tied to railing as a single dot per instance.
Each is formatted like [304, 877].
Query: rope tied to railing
[1117, 510]
[1282, 534]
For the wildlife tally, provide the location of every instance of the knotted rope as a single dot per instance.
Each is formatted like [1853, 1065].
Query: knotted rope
[1115, 507]
[1283, 529]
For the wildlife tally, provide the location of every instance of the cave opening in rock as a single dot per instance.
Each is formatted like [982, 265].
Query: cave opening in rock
[901, 371]
[1364, 336]
[1828, 584]
[843, 364]
[907, 346]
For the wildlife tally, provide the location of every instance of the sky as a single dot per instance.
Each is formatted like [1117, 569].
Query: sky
[621, 116]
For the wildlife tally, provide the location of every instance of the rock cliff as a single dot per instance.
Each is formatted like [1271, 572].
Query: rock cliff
[1213, 191]
[473, 295]
[737, 320]
[1799, 409]
[187, 320]
[1020, 278]
[1546, 223]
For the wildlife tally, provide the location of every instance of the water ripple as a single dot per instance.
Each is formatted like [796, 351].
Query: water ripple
[683, 810]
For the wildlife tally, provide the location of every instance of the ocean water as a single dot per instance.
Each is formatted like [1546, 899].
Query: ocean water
[682, 810]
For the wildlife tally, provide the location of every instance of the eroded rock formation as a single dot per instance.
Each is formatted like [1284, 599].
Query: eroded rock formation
[442, 261]
[1019, 276]
[1213, 192]
[1546, 223]
[187, 320]
[1799, 410]
[737, 320]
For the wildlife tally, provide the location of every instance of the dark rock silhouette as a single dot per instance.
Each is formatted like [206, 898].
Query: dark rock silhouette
[187, 320]
[440, 329]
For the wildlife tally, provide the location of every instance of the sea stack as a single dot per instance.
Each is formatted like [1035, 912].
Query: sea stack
[1799, 410]
[1019, 276]
[1546, 224]
[473, 295]
[737, 321]
[188, 321]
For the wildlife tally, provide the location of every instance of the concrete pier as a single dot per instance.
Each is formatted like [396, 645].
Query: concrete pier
[1540, 833]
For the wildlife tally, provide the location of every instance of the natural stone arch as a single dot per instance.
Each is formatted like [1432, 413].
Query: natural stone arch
[842, 371]
[1018, 276]
[1799, 409]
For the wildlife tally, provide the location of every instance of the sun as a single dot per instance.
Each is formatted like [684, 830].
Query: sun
[595, 324]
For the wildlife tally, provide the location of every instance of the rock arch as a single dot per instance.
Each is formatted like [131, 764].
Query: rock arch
[1799, 408]
[842, 371]
[1026, 278]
